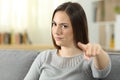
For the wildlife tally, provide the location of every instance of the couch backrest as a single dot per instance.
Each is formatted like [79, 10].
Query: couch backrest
[115, 69]
[14, 64]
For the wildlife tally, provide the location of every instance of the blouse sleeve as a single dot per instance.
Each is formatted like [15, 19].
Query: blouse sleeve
[101, 73]
[35, 71]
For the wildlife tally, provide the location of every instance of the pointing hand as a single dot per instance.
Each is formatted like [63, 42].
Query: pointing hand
[90, 50]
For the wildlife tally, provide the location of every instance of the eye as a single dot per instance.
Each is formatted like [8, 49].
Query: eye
[64, 26]
[53, 24]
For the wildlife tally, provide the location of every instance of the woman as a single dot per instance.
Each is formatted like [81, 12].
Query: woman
[74, 57]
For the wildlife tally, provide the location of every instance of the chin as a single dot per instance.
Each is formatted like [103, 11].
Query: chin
[59, 44]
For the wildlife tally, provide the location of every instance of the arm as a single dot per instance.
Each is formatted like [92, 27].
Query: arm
[101, 60]
[101, 64]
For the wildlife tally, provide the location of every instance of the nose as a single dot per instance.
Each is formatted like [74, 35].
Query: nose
[58, 30]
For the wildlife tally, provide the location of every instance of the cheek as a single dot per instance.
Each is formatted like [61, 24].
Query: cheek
[69, 34]
[52, 31]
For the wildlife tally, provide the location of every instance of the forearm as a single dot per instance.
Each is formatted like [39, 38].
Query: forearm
[101, 60]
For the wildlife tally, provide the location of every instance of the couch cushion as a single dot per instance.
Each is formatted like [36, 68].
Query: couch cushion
[14, 64]
[115, 69]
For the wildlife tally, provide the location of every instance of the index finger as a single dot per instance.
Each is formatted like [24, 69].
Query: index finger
[82, 46]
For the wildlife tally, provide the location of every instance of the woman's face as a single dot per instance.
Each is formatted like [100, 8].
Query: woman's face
[62, 29]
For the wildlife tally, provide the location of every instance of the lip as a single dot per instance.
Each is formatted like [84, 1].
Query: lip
[58, 38]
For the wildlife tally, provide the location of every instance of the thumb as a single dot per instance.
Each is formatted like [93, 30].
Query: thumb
[82, 46]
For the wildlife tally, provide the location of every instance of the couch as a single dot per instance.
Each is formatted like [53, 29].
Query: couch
[14, 64]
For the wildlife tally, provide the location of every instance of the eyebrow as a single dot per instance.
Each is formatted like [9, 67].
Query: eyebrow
[61, 23]
[64, 24]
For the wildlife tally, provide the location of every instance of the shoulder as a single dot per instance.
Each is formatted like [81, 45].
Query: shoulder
[45, 53]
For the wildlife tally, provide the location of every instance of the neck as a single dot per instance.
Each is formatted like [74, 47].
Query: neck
[69, 51]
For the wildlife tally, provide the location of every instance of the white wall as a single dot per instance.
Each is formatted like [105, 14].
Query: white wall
[41, 33]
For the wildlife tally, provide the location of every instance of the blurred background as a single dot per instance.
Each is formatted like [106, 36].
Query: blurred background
[28, 22]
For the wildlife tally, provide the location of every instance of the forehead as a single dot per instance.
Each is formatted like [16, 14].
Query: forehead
[61, 16]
